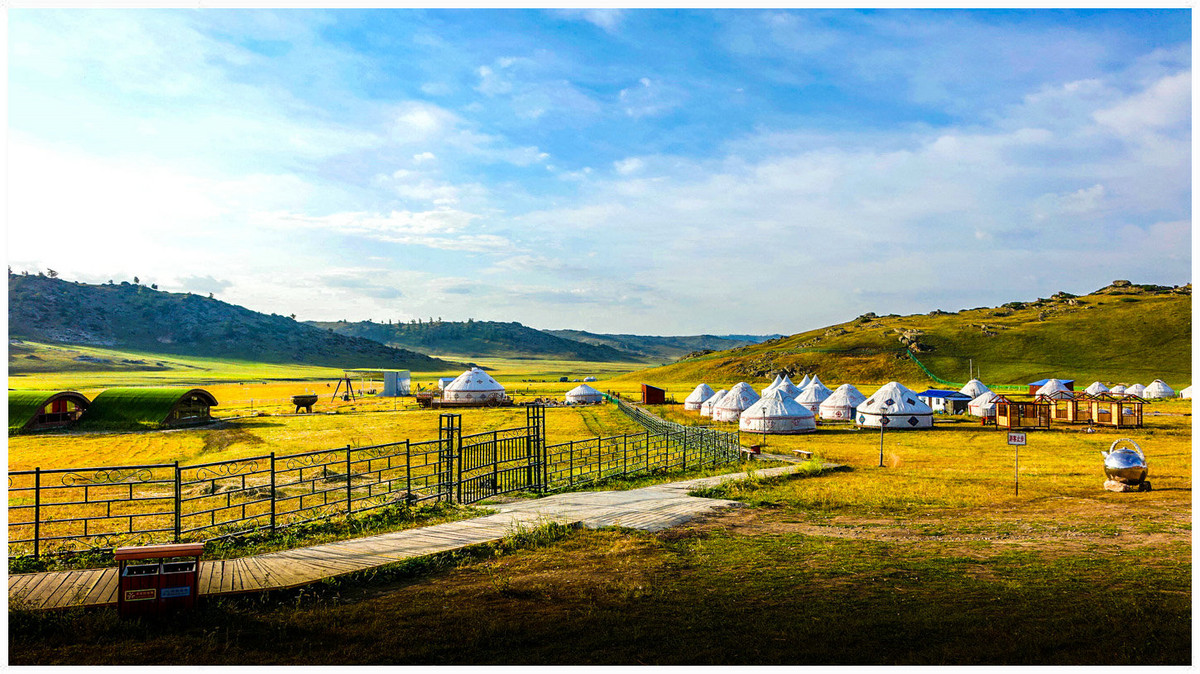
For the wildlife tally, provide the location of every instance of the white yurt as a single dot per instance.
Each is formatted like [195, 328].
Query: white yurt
[1052, 387]
[771, 387]
[904, 410]
[983, 405]
[840, 404]
[589, 379]
[974, 388]
[706, 407]
[474, 385]
[1136, 390]
[740, 397]
[1186, 393]
[1096, 388]
[1158, 389]
[777, 413]
[813, 395]
[1119, 389]
[697, 397]
[803, 383]
[584, 395]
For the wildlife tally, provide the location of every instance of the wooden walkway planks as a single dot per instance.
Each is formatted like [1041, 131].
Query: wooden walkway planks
[649, 508]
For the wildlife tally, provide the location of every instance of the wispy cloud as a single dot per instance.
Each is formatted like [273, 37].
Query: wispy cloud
[604, 169]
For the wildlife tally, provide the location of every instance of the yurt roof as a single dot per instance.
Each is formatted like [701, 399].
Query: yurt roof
[715, 398]
[1137, 390]
[846, 394]
[474, 380]
[973, 388]
[584, 390]
[699, 394]
[815, 392]
[1119, 388]
[1186, 392]
[788, 388]
[804, 382]
[776, 405]
[1158, 389]
[740, 397]
[894, 398]
[1096, 387]
[772, 386]
[1043, 382]
[985, 398]
[1052, 386]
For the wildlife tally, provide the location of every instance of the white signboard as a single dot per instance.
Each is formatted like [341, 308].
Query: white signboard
[1016, 438]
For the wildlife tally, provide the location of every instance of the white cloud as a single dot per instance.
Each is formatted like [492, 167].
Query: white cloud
[650, 98]
[608, 19]
[440, 228]
[628, 166]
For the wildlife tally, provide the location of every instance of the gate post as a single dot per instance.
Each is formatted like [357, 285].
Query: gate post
[272, 491]
[37, 510]
[450, 437]
[178, 498]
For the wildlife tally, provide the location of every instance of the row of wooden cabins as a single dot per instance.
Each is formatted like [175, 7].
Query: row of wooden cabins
[1102, 409]
[114, 407]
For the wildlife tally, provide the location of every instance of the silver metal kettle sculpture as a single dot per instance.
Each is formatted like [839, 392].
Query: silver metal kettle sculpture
[1124, 462]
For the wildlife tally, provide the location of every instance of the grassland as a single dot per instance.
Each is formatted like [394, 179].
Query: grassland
[932, 559]
[255, 436]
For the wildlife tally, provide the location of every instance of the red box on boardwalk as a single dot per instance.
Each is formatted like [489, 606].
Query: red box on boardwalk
[168, 583]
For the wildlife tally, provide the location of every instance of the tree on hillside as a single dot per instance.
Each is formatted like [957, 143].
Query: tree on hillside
[136, 280]
[50, 272]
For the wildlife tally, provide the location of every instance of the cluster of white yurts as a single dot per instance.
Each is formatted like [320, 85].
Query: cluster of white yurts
[1156, 390]
[787, 407]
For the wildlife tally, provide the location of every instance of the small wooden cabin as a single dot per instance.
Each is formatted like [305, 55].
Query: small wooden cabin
[1117, 411]
[37, 410]
[652, 395]
[1068, 408]
[150, 406]
[1019, 415]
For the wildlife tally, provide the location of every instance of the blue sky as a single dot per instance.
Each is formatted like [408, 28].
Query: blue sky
[647, 171]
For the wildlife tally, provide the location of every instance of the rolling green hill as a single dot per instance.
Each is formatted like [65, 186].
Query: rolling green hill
[659, 349]
[1120, 333]
[477, 339]
[143, 319]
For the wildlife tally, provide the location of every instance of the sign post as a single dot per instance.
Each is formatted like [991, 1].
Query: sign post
[883, 421]
[1016, 440]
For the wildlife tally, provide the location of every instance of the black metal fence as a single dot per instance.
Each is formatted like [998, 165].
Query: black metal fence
[62, 511]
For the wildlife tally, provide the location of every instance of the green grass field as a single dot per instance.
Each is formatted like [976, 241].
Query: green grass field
[932, 559]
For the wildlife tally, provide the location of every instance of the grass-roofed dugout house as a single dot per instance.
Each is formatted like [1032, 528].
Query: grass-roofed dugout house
[36, 410]
[150, 407]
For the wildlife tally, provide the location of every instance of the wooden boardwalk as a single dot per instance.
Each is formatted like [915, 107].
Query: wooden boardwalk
[650, 508]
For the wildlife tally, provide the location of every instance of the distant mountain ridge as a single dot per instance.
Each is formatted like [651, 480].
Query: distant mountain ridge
[662, 348]
[478, 339]
[134, 316]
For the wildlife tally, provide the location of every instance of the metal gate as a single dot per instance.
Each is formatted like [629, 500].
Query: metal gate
[503, 461]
